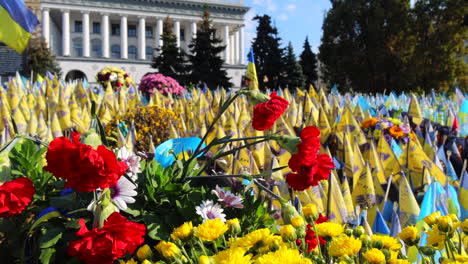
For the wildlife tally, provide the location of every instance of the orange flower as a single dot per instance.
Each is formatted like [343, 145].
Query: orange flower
[371, 122]
[396, 132]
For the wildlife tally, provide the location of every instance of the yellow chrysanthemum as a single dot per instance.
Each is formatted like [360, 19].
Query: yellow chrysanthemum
[374, 256]
[146, 262]
[211, 229]
[233, 225]
[328, 229]
[432, 218]
[283, 256]
[252, 238]
[445, 223]
[435, 238]
[182, 232]
[144, 252]
[130, 261]
[409, 235]
[297, 221]
[168, 249]
[204, 260]
[387, 241]
[344, 245]
[288, 233]
[460, 258]
[310, 211]
[272, 243]
[235, 255]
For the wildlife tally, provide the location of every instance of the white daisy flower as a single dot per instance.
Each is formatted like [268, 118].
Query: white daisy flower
[227, 198]
[209, 210]
[122, 194]
[132, 161]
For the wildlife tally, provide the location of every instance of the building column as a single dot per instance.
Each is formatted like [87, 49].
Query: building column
[231, 49]
[236, 47]
[159, 33]
[105, 35]
[85, 33]
[177, 31]
[241, 45]
[66, 33]
[142, 38]
[226, 43]
[46, 26]
[193, 30]
[123, 38]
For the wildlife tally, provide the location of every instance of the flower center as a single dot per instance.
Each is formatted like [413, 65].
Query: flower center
[210, 215]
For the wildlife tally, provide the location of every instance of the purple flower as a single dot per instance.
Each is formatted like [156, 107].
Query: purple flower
[227, 198]
[405, 128]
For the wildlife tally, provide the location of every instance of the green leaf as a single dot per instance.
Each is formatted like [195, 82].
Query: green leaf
[50, 238]
[133, 212]
[46, 255]
[44, 218]
[73, 224]
[156, 228]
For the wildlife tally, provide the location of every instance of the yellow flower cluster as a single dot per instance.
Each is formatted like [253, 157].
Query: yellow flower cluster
[152, 126]
[211, 230]
[182, 232]
[113, 76]
[329, 229]
[344, 246]
[374, 256]
[388, 242]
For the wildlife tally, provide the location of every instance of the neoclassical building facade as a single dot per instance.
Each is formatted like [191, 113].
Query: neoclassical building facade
[87, 35]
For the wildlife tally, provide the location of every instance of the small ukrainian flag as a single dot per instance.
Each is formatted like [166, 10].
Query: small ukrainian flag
[251, 73]
[17, 23]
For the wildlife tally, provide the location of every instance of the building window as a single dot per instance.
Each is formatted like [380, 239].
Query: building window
[78, 47]
[182, 34]
[97, 28]
[115, 30]
[149, 52]
[78, 26]
[115, 50]
[132, 31]
[96, 48]
[132, 53]
[149, 32]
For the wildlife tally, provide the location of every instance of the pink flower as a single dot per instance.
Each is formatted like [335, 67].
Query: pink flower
[227, 198]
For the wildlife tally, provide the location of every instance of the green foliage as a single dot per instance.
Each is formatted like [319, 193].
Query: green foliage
[294, 78]
[39, 59]
[308, 62]
[376, 45]
[171, 61]
[269, 61]
[206, 63]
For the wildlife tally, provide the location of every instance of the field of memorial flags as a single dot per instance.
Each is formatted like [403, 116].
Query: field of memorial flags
[213, 176]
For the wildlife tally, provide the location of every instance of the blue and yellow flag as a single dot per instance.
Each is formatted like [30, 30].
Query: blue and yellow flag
[16, 24]
[251, 73]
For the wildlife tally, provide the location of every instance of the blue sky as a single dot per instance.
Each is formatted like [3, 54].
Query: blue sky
[295, 19]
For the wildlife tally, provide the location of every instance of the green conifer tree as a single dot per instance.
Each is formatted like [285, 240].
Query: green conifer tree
[308, 62]
[293, 77]
[39, 59]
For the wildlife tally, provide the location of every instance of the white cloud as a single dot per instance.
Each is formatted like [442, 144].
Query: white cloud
[250, 28]
[291, 7]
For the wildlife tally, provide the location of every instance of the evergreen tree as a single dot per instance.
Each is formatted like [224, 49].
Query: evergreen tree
[308, 62]
[206, 62]
[366, 45]
[293, 77]
[439, 33]
[268, 54]
[171, 60]
[39, 59]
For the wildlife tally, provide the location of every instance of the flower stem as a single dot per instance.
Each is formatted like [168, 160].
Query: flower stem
[317, 239]
[200, 243]
[263, 188]
[215, 246]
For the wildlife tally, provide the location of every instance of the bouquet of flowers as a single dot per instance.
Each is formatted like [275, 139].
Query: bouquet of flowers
[164, 84]
[114, 76]
[390, 127]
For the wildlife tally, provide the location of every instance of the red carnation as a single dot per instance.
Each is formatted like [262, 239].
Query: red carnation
[84, 168]
[15, 195]
[311, 238]
[265, 114]
[309, 167]
[117, 238]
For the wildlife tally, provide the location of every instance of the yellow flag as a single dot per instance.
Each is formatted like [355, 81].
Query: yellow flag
[32, 125]
[359, 167]
[364, 192]
[55, 126]
[312, 93]
[388, 158]
[63, 114]
[338, 212]
[109, 99]
[42, 128]
[20, 121]
[414, 110]
[348, 123]
[348, 201]
[376, 164]
[409, 208]
[418, 159]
